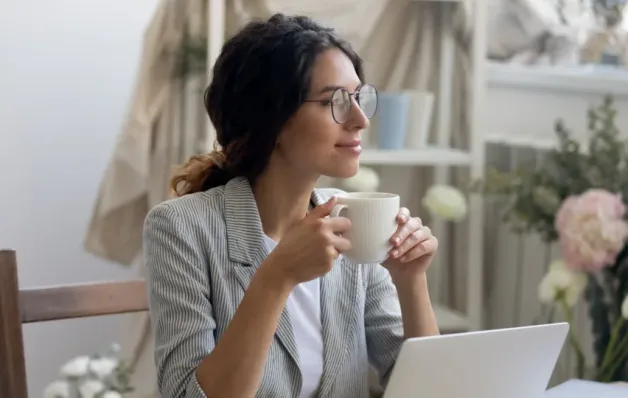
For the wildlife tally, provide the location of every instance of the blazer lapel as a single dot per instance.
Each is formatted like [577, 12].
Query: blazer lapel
[339, 315]
[245, 241]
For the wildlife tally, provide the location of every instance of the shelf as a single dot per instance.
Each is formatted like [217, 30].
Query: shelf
[450, 321]
[430, 156]
[588, 79]
[517, 141]
[436, 1]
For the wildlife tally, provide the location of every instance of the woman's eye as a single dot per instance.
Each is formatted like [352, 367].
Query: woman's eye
[337, 101]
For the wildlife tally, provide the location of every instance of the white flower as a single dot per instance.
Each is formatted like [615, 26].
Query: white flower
[103, 367]
[624, 308]
[76, 368]
[365, 180]
[111, 394]
[114, 348]
[57, 389]
[91, 388]
[561, 282]
[446, 202]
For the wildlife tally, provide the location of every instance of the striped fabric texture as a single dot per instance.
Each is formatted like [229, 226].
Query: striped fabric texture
[200, 253]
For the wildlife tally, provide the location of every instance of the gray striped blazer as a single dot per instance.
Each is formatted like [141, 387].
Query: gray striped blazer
[201, 251]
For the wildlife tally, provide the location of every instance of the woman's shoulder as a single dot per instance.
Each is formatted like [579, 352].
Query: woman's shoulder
[194, 208]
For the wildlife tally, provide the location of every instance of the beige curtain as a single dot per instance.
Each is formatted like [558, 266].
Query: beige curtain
[166, 122]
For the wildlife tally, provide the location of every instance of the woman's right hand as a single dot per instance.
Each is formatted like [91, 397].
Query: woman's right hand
[309, 248]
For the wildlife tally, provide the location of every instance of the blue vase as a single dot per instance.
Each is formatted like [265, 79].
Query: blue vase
[392, 120]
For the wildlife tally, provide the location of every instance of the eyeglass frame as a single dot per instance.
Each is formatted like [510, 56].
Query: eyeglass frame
[327, 102]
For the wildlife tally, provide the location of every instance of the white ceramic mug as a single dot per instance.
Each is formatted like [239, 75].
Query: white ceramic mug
[373, 218]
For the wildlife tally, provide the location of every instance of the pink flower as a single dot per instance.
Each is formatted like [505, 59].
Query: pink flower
[591, 229]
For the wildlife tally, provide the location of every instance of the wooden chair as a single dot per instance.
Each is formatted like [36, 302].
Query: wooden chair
[19, 306]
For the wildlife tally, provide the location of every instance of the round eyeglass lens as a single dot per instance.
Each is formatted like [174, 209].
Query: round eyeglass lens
[341, 105]
[367, 99]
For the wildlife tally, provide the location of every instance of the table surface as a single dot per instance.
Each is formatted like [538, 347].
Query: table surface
[587, 389]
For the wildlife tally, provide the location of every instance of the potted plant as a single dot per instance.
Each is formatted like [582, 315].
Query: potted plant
[578, 200]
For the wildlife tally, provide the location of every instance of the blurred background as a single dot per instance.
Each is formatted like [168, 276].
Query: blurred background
[100, 99]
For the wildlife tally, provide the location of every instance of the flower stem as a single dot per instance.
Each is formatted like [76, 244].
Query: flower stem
[616, 359]
[573, 339]
[608, 353]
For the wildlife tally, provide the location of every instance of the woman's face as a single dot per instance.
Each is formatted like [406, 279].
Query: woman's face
[312, 142]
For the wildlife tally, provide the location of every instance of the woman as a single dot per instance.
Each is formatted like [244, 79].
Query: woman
[249, 294]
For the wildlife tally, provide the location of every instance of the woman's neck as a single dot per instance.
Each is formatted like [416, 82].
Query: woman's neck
[282, 199]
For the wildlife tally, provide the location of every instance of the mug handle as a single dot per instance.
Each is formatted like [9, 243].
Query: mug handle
[335, 211]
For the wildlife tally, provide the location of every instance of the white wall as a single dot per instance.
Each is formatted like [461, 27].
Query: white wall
[524, 103]
[66, 71]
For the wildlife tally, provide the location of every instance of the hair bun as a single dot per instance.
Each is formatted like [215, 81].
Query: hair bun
[200, 173]
[218, 158]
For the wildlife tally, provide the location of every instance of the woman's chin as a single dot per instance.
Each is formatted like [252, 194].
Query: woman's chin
[344, 170]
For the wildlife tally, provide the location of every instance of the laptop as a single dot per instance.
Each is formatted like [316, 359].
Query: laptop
[514, 363]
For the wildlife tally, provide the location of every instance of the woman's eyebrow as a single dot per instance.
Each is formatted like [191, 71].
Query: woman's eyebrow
[334, 88]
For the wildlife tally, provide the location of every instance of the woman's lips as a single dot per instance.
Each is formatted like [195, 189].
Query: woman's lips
[350, 146]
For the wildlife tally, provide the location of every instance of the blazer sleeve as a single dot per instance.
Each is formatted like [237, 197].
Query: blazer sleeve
[382, 322]
[179, 300]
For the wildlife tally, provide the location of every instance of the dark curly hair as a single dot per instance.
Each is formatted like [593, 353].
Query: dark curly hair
[260, 79]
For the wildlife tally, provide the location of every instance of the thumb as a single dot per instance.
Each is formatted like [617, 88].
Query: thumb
[324, 209]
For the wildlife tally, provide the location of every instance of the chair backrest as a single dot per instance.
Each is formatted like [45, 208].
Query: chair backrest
[19, 306]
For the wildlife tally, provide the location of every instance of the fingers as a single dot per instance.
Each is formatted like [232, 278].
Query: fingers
[332, 252]
[337, 244]
[427, 247]
[405, 230]
[331, 228]
[324, 209]
[337, 225]
[414, 239]
[341, 244]
[403, 216]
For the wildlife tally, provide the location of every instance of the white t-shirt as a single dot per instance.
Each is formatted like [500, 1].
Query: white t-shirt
[304, 307]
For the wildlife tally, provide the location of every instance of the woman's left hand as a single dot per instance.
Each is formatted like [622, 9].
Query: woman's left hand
[413, 247]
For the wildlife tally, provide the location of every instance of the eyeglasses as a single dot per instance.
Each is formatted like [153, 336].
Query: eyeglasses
[340, 102]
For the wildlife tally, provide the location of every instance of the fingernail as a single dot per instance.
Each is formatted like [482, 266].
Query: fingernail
[396, 240]
[394, 253]
[404, 258]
